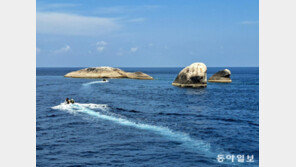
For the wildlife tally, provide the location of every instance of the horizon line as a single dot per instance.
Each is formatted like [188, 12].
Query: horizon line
[140, 67]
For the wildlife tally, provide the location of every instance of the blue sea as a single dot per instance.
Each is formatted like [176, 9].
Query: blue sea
[125, 122]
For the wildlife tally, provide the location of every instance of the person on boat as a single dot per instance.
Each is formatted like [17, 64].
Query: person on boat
[72, 101]
[104, 80]
[67, 101]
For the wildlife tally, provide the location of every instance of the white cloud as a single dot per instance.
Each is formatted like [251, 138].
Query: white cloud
[125, 9]
[249, 22]
[61, 5]
[71, 24]
[101, 45]
[100, 48]
[136, 20]
[134, 49]
[62, 50]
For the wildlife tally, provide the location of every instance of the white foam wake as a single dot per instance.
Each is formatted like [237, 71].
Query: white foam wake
[76, 106]
[184, 138]
[94, 82]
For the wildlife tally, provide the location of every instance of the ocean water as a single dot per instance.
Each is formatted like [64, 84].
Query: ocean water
[125, 122]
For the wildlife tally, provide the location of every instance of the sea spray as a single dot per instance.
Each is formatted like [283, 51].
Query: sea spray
[94, 82]
[184, 138]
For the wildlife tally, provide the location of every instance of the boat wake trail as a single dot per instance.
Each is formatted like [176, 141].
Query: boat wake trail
[183, 138]
[94, 82]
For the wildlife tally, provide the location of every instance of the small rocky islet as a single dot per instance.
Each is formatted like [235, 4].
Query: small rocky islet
[222, 76]
[194, 75]
[107, 72]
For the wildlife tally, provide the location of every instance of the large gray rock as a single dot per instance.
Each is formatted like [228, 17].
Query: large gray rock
[221, 76]
[106, 72]
[194, 75]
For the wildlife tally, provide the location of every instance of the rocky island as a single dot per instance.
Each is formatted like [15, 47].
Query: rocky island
[194, 76]
[222, 76]
[107, 72]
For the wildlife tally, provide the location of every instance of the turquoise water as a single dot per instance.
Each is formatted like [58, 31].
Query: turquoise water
[127, 122]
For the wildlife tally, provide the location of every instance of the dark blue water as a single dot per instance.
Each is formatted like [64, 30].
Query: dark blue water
[128, 122]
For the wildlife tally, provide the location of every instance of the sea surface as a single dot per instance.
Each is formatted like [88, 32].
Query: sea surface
[125, 122]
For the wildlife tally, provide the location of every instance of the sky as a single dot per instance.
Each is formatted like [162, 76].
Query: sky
[147, 33]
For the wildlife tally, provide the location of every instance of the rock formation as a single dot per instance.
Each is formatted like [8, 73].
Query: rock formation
[194, 75]
[106, 72]
[221, 76]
